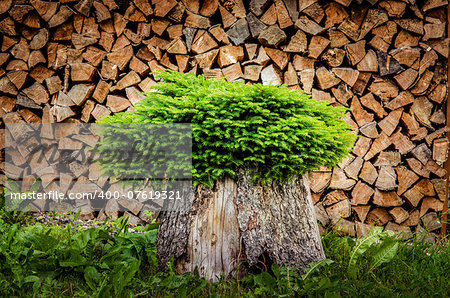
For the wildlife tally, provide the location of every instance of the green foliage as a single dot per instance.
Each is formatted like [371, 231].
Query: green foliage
[272, 131]
[106, 265]
[370, 246]
[22, 217]
[107, 261]
[126, 149]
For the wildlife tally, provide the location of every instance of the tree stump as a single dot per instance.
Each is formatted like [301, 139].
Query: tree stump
[237, 222]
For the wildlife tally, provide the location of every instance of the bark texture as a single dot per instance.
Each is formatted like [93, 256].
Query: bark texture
[237, 222]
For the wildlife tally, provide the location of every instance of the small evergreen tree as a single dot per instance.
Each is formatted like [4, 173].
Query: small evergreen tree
[274, 132]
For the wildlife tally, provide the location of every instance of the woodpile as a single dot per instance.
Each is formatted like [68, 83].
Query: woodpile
[77, 61]
[56, 160]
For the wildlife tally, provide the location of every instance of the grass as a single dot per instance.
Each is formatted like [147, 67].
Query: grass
[49, 261]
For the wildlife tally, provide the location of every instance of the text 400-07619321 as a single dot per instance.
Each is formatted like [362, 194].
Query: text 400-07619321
[142, 194]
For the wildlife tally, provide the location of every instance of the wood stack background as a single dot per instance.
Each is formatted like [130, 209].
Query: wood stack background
[77, 61]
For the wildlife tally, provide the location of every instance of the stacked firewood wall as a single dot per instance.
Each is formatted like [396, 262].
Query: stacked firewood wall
[77, 61]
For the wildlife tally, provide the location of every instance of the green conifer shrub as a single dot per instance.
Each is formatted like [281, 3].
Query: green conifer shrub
[274, 132]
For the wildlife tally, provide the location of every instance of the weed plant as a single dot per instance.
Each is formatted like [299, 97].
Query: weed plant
[41, 261]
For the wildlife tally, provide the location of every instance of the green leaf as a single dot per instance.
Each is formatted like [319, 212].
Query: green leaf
[385, 253]
[314, 266]
[122, 275]
[92, 277]
[362, 246]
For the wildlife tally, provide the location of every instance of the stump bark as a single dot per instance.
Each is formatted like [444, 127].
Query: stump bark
[236, 223]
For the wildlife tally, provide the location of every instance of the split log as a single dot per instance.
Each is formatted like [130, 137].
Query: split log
[386, 178]
[386, 199]
[384, 89]
[334, 197]
[258, 6]
[130, 79]
[403, 99]
[406, 78]
[430, 203]
[369, 130]
[307, 79]
[413, 219]
[388, 158]
[100, 111]
[340, 181]
[81, 72]
[412, 25]
[401, 142]
[361, 116]
[233, 72]
[353, 169]
[439, 187]
[79, 93]
[308, 26]
[390, 122]
[421, 108]
[394, 8]
[37, 93]
[319, 180]
[440, 150]
[335, 14]
[356, 51]
[333, 57]
[388, 65]
[325, 78]
[378, 217]
[378, 145]
[406, 179]
[368, 173]
[418, 167]
[279, 57]
[361, 83]
[369, 102]
[407, 56]
[282, 14]
[369, 62]
[120, 57]
[399, 214]
[436, 134]
[348, 75]
[101, 91]
[361, 194]
[350, 28]
[207, 59]
[239, 32]
[405, 39]
[317, 46]
[271, 75]
[362, 230]
[290, 76]
[413, 196]
[298, 43]
[337, 38]
[117, 103]
[362, 146]
[203, 42]
[339, 210]
[435, 168]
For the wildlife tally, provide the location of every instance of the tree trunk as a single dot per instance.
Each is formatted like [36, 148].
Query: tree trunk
[234, 224]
